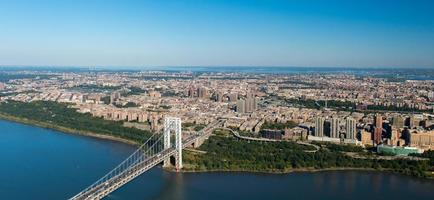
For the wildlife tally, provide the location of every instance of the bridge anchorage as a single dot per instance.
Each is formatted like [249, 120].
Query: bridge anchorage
[157, 149]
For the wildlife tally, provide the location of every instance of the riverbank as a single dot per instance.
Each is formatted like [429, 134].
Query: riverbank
[65, 129]
[312, 170]
[309, 170]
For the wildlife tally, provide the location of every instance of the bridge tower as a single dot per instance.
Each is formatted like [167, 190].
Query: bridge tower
[173, 124]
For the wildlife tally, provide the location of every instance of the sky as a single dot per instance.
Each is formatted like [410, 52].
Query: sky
[308, 33]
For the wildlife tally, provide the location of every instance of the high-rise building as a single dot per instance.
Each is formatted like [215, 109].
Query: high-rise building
[247, 105]
[191, 92]
[319, 126]
[415, 121]
[366, 137]
[241, 106]
[351, 128]
[431, 96]
[398, 121]
[378, 130]
[114, 97]
[219, 96]
[233, 97]
[334, 126]
[202, 93]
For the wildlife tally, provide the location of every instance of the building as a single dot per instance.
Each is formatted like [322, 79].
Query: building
[247, 105]
[378, 130]
[192, 92]
[415, 121]
[350, 128]
[366, 137]
[395, 137]
[393, 150]
[232, 97]
[422, 139]
[334, 127]
[251, 102]
[296, 133]
[272, 134]
[241, 106]
[398, 121]
[203, 93]
[114, 97]
[319, 127]
[219, 96]
[154, 94]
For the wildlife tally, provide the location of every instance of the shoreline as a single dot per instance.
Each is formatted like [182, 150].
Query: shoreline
[306, 170]
[64, 129]
[129, 142]
[309, 170]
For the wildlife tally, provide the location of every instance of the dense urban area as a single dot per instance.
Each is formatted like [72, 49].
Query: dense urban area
[273, 122]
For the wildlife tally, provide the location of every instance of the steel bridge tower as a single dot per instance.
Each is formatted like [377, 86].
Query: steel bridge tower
[173, 124]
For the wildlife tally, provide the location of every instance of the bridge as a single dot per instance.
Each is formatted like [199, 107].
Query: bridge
[157, 149]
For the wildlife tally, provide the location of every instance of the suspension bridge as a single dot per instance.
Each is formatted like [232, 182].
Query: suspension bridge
[157, 149]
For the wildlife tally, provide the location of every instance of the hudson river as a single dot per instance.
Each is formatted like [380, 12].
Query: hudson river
[43, 164]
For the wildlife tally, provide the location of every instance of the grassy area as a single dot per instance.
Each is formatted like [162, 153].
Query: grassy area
[278, 126]
[308, 103]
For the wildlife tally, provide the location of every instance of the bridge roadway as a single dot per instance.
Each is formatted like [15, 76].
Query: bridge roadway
[116, 182]
[105, 188]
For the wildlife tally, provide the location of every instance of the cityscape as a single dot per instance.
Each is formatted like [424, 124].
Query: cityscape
[216, 100]
[340, 108]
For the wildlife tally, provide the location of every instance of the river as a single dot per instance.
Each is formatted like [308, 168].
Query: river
[38, 163]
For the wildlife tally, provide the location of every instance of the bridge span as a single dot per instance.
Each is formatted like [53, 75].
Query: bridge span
[157, 149]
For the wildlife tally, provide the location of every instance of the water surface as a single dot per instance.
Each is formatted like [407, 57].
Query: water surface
[38, 163]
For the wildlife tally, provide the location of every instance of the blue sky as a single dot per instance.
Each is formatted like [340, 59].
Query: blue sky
[217, 33]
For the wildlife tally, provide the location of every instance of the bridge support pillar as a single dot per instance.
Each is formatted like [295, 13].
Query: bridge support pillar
[166, 137]
[173, 124]
[178, 144]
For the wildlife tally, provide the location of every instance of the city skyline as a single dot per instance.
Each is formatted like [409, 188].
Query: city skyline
[217, 33]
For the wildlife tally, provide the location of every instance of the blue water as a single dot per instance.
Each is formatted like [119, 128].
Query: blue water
[38, 163]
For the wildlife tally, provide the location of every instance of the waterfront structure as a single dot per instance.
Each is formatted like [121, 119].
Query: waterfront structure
[319, 127]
